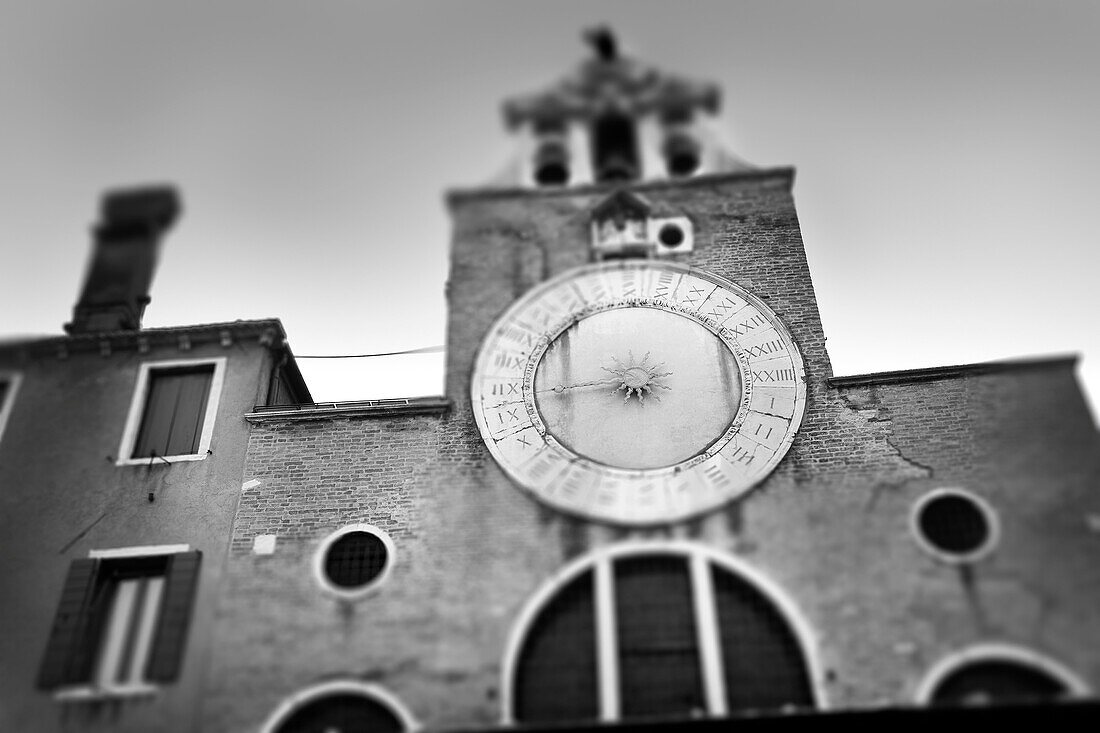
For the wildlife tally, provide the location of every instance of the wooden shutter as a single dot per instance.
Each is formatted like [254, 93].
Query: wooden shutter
[70, 629]
[170, 642]
[175, 407]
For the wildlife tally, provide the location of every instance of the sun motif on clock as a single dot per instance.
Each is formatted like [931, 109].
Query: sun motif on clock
[638, 379]
[572, 414]
[633, 379]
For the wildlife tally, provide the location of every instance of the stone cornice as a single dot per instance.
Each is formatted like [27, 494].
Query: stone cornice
[357, 409]
[458, 195]
[951, 372]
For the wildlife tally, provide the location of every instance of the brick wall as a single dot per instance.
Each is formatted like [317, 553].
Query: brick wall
[830, 526]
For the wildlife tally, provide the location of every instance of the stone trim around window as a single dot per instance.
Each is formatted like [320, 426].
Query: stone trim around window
[997, 652]
[368, 588]
[600, 563]
[137, 411]
[374, 692]
[993, 526]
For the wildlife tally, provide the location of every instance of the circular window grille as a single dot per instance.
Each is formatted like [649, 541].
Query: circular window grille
[955, 525]
[354, 559]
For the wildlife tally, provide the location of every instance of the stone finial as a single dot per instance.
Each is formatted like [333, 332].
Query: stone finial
[603, 42]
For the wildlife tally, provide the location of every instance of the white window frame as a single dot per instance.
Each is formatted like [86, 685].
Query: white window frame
[956, 558]
[368, 588]
[998, 652]
[100, 686]
[373, 692]
[699, 558]
[137, 410]
[13, 380]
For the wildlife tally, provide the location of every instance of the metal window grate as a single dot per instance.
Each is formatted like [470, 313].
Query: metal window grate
[764, 666]
[658, 644]
[355, 559]
[556, 678]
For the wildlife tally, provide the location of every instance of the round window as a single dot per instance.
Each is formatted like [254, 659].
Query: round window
[955, 525]
[354, 559]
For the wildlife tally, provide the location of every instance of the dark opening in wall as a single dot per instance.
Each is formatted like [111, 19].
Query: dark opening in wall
[615, 148]
[552, 164]
[355, 559]
[347, 712]
[671, 235]
[997, 681]
[954, 525]
[681, 154]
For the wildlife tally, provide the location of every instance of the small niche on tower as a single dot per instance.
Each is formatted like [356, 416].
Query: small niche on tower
[615, 148]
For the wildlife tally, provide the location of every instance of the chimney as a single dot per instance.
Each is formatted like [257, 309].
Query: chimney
[124, 257]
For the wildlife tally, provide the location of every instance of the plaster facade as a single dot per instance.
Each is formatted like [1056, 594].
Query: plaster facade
[63, 495]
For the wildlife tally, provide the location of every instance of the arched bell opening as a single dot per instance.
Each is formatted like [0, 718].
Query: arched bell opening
[552, 164]
[615, 149]
[682, 155]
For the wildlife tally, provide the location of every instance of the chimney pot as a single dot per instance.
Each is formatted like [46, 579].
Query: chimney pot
[124, 258]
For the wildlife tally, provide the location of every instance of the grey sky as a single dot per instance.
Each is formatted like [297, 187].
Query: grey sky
[946, 154]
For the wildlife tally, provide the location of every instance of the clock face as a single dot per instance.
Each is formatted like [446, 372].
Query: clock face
[637, 392]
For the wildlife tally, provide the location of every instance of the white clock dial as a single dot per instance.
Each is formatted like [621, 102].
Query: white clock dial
[636, 392]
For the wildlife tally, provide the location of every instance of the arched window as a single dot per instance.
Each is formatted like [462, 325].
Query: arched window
[998, 674]
[347, 706]
[655, 631]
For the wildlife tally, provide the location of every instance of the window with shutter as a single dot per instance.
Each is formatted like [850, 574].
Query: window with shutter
[9, 385]
[122, 622]
[172, 412]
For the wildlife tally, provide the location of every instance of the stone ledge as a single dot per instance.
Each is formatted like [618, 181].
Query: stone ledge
[951, 372]
[358, 408]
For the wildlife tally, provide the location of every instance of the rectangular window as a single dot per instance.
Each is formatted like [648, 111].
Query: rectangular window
[172, 412]
[121, 624]
[175, 406]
